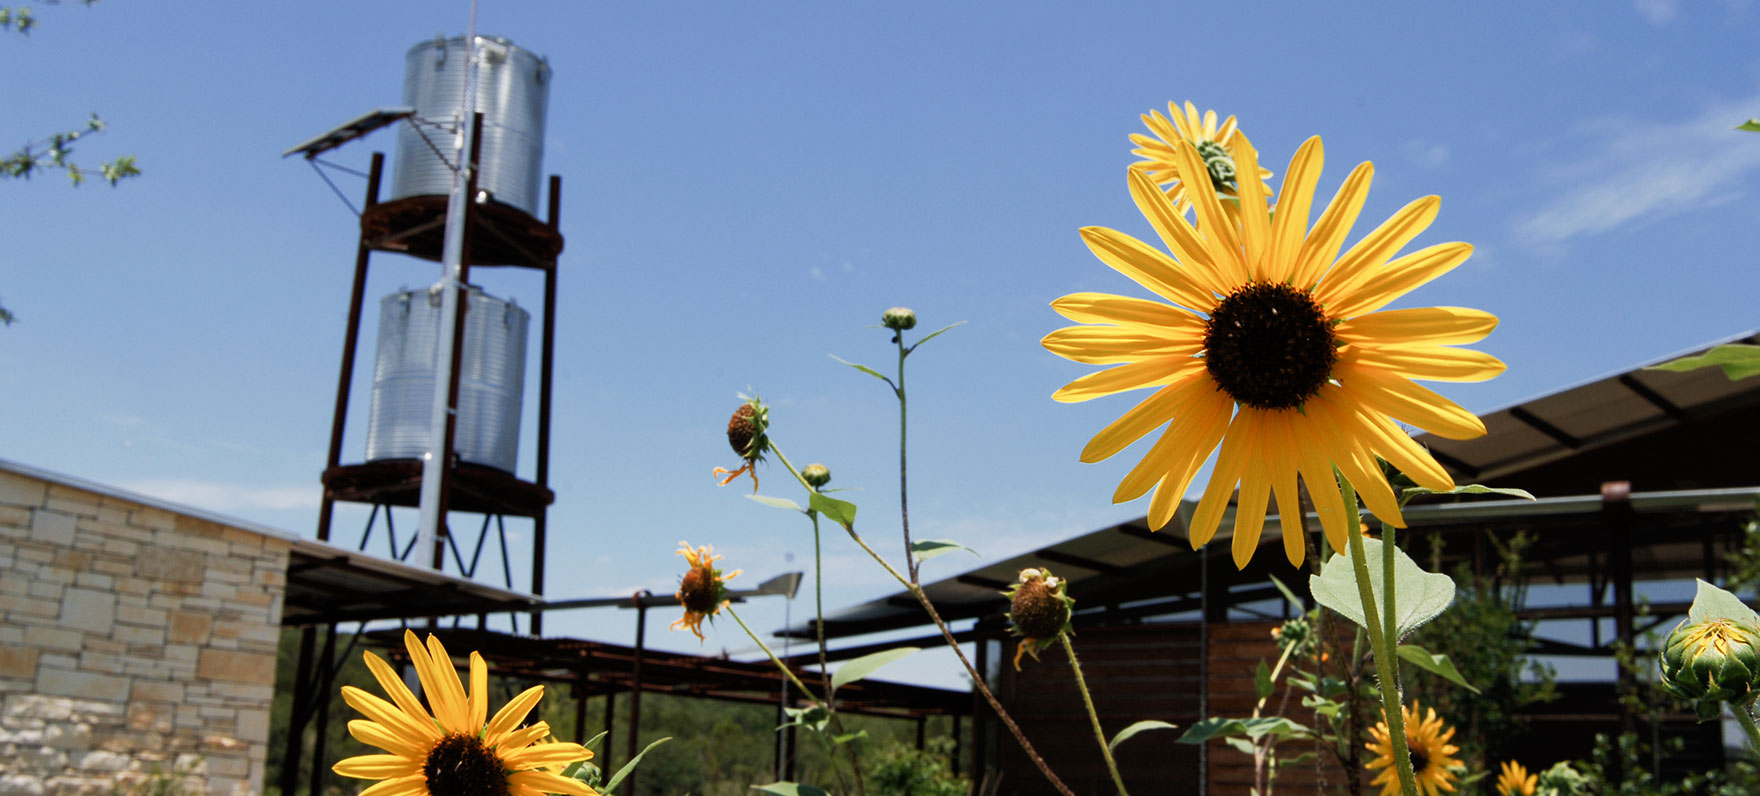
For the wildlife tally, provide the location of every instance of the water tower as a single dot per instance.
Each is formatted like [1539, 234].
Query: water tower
[495, 225]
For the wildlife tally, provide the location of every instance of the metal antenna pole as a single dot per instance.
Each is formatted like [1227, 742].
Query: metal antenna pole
[451, 263]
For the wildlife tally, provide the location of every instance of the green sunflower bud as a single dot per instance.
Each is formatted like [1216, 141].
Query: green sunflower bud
[898, 319]
[1712, 662]
[816, 475]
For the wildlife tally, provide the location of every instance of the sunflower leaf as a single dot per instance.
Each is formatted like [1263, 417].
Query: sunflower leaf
[791, 789]
[1241, 745]
[1421, 595]
[1213, 728]
[781, 503]
[1738, 361]
[931, 335]
[863, 368]
[1287, 594]
[925, 549]
[1435, 664]
[1276, 727]
[841, 512]
[1141, 726]
[1751, 125]
[1470, 489]
[617, 779]
[1714, 603]
[838, 740]
[868, 664]
[1262, 680]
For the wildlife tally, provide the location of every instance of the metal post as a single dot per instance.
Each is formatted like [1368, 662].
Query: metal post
[923, 726]
[580, 706]
[610, 727]
[635, 688]
[546, 380]
[953, 761]
[296, 723]
[979, 725]
[1616, 498]
[1204, 662]
[325, 676]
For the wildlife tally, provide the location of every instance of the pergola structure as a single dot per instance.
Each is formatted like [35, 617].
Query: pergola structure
[1634, 482]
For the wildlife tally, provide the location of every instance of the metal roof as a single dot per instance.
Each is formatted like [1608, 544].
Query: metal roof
[327, 584]
[1658, 429]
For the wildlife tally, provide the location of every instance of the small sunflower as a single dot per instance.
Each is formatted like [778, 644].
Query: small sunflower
[1516, 781]
[457, 750]
[1160, 152]
[746, 435]
[1039, 608]
[1274, 346]
[703, 590]
[1433, 757]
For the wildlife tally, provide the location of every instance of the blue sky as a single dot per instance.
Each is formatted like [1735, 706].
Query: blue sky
[747, 187]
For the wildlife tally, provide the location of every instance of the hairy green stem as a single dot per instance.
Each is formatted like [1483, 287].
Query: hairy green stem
[1391, 707]
[1744, 718]
[1093, 718]
[904, 504]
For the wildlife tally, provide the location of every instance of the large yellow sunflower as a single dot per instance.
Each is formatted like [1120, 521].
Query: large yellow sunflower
[703, 589]
[1273, 345]
[457, 750]
[1516, 781]
[1160, 152]
[1432, 755]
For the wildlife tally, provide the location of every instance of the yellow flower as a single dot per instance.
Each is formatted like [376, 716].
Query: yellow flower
[1516, 781]
[1274, 346]
[1432, 754]
[1160, 152]
[456, 750]
[703, 591]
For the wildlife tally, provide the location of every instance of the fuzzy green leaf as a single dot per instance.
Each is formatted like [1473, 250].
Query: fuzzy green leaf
[863, 368]
[1470, 489]
[788, 789]
[925, 549]
[1738, 361]
[617, 779]
[1289, 595]
[1435, 664]
[868, 664]
[1262, 680]
[1213, 728]
[932, 335]
[781, 503]
[841, 512]
[1421, 595]
[1714, 603]
[1751, 125]
[1141, 726]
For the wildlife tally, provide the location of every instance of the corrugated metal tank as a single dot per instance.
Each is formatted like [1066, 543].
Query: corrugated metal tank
[491, 378]
[513, 88]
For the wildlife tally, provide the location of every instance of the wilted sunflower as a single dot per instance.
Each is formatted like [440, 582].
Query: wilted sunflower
[1516, 781]
[703, 590]
[1039, 610]
[1160, 152]
[746, 435]
[1432, 755]
[1273, 345]
[452, 752]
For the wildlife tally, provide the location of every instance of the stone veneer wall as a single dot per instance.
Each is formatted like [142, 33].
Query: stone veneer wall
[133, 639]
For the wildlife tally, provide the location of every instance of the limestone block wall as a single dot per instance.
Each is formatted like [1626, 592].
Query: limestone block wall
[134, 638]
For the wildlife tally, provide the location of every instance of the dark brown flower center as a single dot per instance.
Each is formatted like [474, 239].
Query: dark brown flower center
[698, 590]
[742, 429]
[459, 765]
[1420, 760]
[1269, 346]
[1037, 611]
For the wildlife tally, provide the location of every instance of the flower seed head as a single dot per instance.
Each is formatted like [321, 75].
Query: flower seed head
[1039, 608]
[898, 319]
[816, 475]
[745, 429]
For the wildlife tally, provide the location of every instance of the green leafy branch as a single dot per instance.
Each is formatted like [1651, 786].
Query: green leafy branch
[55, 151]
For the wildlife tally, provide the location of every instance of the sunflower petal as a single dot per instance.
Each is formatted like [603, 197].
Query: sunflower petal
[1404, 453]
[376, 734]
[1432, 363]
[525, 736]
[1402, 276]
[1217, 228]
[1188, 247]
[513, 713]
[1399, 398]
[1322, 483]
[445, 694]
[1280, 449]
[1230, 464]
[394, 687]
[1366, 259]
[1249, 512]
[478, 699]
[546, 782]
[1429, 325]
[377, 767]
[1112, 345]
[402, 786]
[1213, 413]
[1166, 404]
[544, 755]
[1327, 237]
[1125, 311]
[1179, 444]
[1148, 373]
[1147, 266]
[1294, 200]
[388, 715]
[1254, 215]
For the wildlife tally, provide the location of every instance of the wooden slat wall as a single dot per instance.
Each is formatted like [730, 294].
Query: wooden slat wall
[1235, 651]
[1135, 672]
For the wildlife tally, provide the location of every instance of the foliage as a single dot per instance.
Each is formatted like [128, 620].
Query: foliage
[1619, 768]
[161, 782]
[1488, 644]
[900, 770]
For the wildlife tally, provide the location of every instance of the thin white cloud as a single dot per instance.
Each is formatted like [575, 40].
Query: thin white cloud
[224, 497]
[1642, 171]
[1657, 12]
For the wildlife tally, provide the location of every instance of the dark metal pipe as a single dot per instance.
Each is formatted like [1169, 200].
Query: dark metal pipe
[296, 720]
[546, 380]
[350, 341]
[321, 725]
[635, 688]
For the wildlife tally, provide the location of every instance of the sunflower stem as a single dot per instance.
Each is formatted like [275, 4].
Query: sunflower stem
[1093, 718]
[1746, 719]
[1391, 706]
[977, 679]
[904, 504]
[789, 673]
